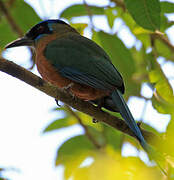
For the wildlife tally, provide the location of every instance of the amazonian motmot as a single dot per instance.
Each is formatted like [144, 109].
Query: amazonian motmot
[64, 57]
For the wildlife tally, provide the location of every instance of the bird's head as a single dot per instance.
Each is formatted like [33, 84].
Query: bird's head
[40, 30]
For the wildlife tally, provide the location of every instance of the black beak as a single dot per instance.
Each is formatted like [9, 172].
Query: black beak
[24, 41]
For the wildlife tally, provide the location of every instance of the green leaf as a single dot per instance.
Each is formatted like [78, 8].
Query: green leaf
[163, 49]
[163, 88]
[87, 120]
[149, 128]
[72, 148]
[81, 10]
[145, 39]
[60, 123]
[24, 16]
[120, 57]
[165, 23]
[117, 51]
[127, 18]
[167, 7]
[113, 137]
[97, 135]
[162, 106]
[146, 13]
[6, 33]
[80, 27]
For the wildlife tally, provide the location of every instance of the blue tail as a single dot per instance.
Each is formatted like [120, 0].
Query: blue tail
[127, 116]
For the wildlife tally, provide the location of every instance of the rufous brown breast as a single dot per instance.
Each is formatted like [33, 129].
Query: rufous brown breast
[51, 74]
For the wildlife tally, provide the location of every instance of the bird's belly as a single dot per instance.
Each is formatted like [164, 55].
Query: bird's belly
[50, 74]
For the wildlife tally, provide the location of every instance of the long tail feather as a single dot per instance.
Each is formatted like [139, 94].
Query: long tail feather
[127, 116]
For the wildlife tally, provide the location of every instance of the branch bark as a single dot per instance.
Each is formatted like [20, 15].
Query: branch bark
[28, 77]
[120, 3]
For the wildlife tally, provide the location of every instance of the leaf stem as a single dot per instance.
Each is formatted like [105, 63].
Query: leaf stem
[28, 77]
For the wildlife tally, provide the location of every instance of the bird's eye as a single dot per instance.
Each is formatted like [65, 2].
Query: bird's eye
[41, 29]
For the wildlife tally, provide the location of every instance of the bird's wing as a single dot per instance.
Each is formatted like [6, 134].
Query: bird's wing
[84, 62]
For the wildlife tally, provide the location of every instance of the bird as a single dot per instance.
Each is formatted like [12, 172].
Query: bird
[67, 59]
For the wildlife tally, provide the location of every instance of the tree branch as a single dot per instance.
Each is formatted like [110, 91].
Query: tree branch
[164, 39]
[120, 3]
[28, 77]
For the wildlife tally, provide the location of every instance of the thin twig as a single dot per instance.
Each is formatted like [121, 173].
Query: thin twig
[28, 77]
[10, 19]
[120, 3]
[164, 39]
[13, 24]
[89, 13]
[90, 137]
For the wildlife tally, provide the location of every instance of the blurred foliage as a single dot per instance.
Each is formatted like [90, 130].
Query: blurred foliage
[147, 22]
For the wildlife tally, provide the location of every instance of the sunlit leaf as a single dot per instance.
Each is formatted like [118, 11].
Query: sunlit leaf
[145, 38]
[128, 20]
[146, 13]
[112, 167]
[60, 123]
[73, 152]
[81, 10]
[113, 137]
[161, 83]
[110, 16]
[163, 49]
[139, 30]
[168, 144]
[161, 106]
[170, 160]
[80, 27]
[163, 87]
[97, 135]
[87, 120]
[72, 148]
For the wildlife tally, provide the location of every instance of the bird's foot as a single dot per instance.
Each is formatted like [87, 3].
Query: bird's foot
[99, 105]
[67, 88]
[139, 124]
[94, 120]
[57, 102]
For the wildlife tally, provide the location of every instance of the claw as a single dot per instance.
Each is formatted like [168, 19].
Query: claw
[139, 124]
[57, 102]
[67, 88]
[94, 120]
